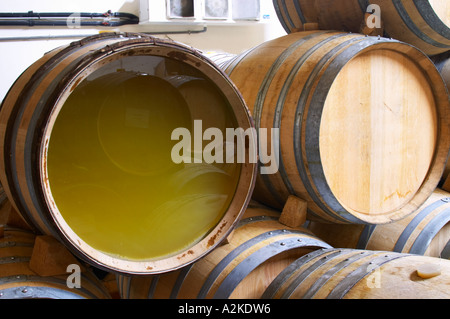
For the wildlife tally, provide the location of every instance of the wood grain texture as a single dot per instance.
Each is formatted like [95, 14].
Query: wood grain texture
[372, 141]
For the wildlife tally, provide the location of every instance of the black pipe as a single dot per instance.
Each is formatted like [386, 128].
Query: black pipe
[31, 14]
[31, 18]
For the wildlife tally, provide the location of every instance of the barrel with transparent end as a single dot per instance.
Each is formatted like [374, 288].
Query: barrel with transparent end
[355, 115]
[256, 252]
[91, 152]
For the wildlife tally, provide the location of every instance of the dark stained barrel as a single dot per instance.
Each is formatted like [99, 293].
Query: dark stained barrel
[424, 24]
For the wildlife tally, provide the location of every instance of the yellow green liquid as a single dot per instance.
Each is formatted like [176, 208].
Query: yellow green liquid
[110, 169]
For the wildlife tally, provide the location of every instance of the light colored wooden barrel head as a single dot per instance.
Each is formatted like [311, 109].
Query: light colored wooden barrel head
[378, 132]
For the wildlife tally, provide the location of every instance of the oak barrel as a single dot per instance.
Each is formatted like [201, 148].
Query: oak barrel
[19, 281]
[87, 153]
[424, 232]
[257, 251]
[424, 24]
[361, 274]
[356, 115]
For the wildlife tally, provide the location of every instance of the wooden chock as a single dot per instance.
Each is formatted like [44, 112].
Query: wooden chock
[51, 258]
[2, 231]
[310, 26]
[294, 212]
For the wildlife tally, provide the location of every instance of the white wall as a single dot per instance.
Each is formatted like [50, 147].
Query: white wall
[17, 55]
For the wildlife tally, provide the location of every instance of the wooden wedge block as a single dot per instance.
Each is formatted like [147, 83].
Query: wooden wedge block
[50, 257]
[310, 26]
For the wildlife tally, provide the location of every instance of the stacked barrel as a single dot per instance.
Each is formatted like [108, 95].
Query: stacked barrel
[423, 24]
[353, 114]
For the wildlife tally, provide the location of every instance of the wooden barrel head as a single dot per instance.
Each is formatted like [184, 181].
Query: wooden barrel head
[379, 124]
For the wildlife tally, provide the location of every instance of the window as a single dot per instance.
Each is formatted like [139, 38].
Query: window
[181, 9]
[246, 10]
[214, 9]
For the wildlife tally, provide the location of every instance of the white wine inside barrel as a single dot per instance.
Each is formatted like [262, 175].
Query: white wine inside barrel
[109, 161]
